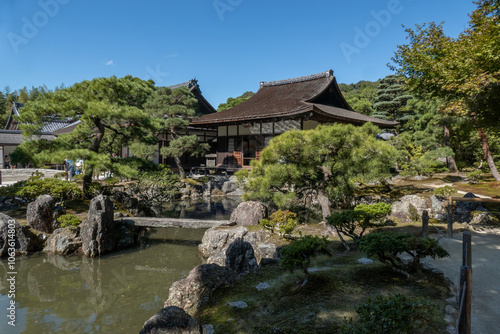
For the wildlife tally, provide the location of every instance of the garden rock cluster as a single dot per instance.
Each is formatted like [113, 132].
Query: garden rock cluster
[217, 185]
[230, 252]
[410, 208]
[24, 240]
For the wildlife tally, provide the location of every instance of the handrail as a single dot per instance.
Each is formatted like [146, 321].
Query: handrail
[463, 324]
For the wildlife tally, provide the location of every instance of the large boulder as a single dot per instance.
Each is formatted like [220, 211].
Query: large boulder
[63, 241]
[462, 210]
[249, 213]
[195, 290]
[16, 238]
[98, 232]
[171, 320]
[240, 256]
[40, 214]
[216, 241]
[408, 208]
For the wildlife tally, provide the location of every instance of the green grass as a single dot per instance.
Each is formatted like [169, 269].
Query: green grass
[318, 307]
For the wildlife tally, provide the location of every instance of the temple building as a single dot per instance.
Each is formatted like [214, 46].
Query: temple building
[299, 103]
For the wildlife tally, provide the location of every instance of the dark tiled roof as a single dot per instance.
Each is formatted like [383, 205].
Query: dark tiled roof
[348, 116]
[67, 129]
[57, 124]
[52, 124]
[189, 84]
[273, 99]
[204, 107]
[15, 137]
[318, 93]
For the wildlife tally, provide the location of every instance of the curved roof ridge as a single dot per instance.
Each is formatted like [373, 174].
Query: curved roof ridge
[189, 84]
[325, 74]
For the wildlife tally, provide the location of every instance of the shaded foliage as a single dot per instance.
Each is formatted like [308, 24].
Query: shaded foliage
[393, 315]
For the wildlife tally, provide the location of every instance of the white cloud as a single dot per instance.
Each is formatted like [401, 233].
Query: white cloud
[109, 63]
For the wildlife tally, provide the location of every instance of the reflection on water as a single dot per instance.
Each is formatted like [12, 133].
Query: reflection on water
[210, 208]
[112, 294]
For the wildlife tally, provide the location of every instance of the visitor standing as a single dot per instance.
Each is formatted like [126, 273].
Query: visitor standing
[79, 166]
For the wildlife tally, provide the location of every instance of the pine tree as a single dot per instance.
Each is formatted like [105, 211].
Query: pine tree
[391, 99]
[173, 110]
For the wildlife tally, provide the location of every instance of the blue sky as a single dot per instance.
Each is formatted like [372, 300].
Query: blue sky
[228, 45]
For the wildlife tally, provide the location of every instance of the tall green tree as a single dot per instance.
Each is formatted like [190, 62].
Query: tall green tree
[111, 115]
[391, 99]
[233, 102]
[464, 71]
[176, 108]
[360, 95]
[325, 161]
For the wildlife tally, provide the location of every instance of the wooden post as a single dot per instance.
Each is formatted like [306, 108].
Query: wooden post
[449, 210]
[467, 249]
[464, 324]
[425, 223]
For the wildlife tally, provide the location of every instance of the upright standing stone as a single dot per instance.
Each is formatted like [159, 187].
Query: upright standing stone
[98, 232]
[40, 214]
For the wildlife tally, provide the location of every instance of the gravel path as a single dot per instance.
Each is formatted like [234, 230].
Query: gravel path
[485, 276]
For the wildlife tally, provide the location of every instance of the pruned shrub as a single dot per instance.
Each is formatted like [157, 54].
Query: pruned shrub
[69, 221]
[30, 189]
[298, 254]
[475, 175]
[394, 314]
[386, 246]
[353, 223]
[155, 188]
[444, 192]
[282, 221]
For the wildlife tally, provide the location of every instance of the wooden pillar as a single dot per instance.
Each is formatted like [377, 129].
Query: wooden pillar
[465, 298]
[425, 224]
[449, 210]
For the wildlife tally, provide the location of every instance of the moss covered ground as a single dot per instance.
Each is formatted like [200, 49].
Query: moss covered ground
[330, 295]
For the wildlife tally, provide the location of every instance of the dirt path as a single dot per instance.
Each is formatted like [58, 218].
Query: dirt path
[451, 185]
[485, 277]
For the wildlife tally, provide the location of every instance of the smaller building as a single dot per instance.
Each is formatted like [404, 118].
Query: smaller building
[298, 103]
[11, 137]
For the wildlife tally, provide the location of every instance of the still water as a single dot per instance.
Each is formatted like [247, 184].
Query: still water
[116, 293]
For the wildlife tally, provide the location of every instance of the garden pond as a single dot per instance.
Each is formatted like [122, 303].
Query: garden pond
[115, 293]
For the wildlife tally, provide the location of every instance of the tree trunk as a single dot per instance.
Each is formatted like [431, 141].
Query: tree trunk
[96, 144]
[87, 181]
[182, 172]
[452, 166]
[325, 204]
[488, 156]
